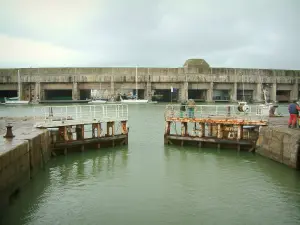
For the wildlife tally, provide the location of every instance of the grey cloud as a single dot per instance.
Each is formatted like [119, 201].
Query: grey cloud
[237, 33]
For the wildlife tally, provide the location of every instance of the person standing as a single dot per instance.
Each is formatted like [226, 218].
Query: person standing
[294, 112]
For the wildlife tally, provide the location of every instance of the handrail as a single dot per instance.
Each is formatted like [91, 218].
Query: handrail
[114, 112]
[202, 111]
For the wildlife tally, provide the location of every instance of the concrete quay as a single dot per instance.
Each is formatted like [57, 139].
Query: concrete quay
[280, 143]
[196, 80]
[21, 157]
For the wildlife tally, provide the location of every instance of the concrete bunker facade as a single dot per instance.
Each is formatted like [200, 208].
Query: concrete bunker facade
[196, 79]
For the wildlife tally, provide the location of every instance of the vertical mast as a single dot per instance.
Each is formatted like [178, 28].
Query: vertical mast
[19, 85]
[136, 88]
[243, 87]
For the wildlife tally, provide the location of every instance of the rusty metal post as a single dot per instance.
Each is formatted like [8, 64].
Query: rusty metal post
[82, 131]
[184, 129]
[240, 132]
[110, 125]
[220, 131]
[98, 129]
[61, 136]
[167, 131]
[70, 134]
[78, 132]
[94, 126]
[9, 133]
[202, 130]
[209, 126]
[65, 129]
[124, 127]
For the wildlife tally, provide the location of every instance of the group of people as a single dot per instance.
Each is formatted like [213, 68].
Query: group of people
[294, 114]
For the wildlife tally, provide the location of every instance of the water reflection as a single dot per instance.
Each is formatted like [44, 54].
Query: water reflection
[65, 176]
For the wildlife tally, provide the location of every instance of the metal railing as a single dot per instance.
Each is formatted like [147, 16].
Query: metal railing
[206, 111]
[82, 113]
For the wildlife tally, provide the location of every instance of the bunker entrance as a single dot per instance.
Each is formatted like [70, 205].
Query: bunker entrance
[244, 95]
[165, 95]
[58, 94]
[7, 94]
[283, 96]
[197, 95]
[85, 94]
[221, 95]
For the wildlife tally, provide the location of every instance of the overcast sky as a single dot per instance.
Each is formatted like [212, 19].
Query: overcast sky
[154, 33]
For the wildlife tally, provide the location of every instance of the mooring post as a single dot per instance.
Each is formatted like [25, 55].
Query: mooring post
[65, 130]
[9, 133]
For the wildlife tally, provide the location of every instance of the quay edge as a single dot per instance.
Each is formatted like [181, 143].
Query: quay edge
[280, 143]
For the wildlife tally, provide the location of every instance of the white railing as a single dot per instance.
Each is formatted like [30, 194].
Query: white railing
[83, 113]
[205, 111]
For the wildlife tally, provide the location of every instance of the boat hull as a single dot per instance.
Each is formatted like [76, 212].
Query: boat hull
[97, 102]
[16, 102]
[134, 101]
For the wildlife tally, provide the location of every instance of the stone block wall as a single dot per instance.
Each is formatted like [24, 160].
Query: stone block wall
[14, 171]
[280, 144]
[20, 159]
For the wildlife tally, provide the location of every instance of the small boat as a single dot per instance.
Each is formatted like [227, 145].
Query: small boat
[97, 101]
[133, 100]
[16, 100]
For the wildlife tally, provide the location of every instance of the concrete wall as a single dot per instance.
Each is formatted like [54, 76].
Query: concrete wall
[280, 144]
[20, 159]
[157, 78]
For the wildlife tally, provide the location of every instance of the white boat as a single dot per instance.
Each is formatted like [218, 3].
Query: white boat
[97, 101]
[16, 100]
[133, 100]
[136, 90]
[264, 109]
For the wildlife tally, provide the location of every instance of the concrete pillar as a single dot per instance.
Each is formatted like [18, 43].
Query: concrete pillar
[21, 94]
[209, 93]
[294, 96]
[75, 91]
[37, 93]
[184, 91]
[234, 92]
[273, 92]
[258, 93]
[112, 86]
[148, 92]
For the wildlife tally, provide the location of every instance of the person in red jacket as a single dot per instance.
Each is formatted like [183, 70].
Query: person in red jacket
[294, 112]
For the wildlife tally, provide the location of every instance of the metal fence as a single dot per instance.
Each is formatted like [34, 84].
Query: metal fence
[205, 111]
[81, 113]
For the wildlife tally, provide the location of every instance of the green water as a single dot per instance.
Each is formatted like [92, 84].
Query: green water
[149, 183]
